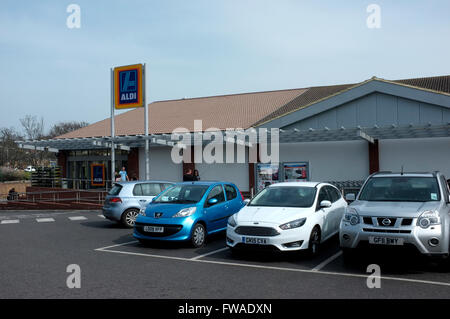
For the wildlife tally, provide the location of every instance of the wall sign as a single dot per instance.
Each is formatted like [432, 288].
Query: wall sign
[296, 172]
[98, 174]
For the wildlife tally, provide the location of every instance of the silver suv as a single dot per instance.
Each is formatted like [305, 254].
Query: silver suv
[399, 209]
[125, 199]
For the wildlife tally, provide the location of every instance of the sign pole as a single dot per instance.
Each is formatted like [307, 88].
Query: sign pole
[147, 159]
[113, 153]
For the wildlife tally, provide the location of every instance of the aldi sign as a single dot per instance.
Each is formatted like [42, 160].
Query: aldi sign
[128, 86]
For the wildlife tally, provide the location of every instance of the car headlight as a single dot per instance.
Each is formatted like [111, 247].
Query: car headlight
[185, 212]
[232, 221]
[293, 224]
[351, 216]
[142, 211]
[428, 218]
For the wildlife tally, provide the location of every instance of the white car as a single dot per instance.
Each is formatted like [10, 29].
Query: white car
[288, 216]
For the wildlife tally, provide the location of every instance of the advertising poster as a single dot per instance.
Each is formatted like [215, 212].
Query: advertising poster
[97, 174]
[267, 174]
[295, 172]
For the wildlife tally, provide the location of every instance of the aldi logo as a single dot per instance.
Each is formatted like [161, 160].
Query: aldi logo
[128, 86]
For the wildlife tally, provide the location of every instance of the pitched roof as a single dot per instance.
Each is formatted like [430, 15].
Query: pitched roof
[435, 83]
[222, 112]
[230, 111]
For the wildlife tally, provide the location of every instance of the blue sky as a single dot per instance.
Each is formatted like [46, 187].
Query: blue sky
[209, 47]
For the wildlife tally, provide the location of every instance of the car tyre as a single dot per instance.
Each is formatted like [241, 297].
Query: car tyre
[129, 217]
[198, 237]
[314, 241]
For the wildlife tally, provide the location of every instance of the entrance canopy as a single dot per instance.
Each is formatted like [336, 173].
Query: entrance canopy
[369, 134]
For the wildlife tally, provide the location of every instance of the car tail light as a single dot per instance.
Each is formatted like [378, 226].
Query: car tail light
[242, 195]
[115, 200]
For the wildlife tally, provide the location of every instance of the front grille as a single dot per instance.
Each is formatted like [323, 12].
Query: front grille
[391, 224]
[168, 230]
[392, 231]
[407, 221]
[256, 231]
[367, 220]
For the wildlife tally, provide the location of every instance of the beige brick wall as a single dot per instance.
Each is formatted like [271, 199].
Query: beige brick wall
[20, 187]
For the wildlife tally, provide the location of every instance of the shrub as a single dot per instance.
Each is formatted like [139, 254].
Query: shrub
[8, 174]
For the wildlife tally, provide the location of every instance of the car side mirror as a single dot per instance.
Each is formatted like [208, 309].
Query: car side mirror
[213, 201]
[246, 201]
[350, 197]
[325, 204]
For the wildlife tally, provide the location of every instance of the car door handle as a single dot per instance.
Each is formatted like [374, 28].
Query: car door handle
[142, 200]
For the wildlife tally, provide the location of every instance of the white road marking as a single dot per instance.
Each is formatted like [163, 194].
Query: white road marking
[123, 244]
[44, 220]
[342, 274]
[101, 216]
[10, 221]
[326, 262]
[210, 253]
[77, 218]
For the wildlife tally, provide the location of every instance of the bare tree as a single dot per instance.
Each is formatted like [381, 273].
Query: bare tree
[65, 127]
[33, 127]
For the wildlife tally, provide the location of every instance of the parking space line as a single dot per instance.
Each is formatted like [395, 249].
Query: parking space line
[342, 274]
[77, 218]
[44, 220]
[10, 221]
[327, 261]
[118, 245]
[210, 253]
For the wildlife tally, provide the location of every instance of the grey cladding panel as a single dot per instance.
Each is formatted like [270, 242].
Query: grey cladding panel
[408, 112]
[367, 111]
[327, 119]
[430, 114]
[386, 109]
[346, 115]
[377, 108]
[446, 116]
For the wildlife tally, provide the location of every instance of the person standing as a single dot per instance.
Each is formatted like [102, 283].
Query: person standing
[123, 175]
[188, 177]
[196, 176]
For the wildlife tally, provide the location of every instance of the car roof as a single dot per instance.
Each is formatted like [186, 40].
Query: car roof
[303, 184]
[142, 181]
[403, 175]
[208, 183]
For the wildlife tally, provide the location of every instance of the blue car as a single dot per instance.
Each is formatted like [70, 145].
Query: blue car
[189, 211]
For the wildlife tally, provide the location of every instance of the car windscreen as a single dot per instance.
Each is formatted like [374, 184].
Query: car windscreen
[115, 190]
[182, 194]
[401, 189]
[285, 196]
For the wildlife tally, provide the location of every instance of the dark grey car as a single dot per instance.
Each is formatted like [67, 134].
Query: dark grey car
[125, 199]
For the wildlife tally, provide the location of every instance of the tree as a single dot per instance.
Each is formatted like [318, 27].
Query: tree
[65, 127]
[33, 127]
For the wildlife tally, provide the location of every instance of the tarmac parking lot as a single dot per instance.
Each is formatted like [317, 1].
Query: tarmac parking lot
[37, 247]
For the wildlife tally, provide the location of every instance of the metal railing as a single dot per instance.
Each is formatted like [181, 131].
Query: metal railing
[58, 196]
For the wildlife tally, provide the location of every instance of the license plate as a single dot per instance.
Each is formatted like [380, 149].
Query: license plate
[386, 241]
[254, 241]
[153, 229]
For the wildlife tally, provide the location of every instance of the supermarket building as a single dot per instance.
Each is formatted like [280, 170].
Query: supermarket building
[337, 133]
